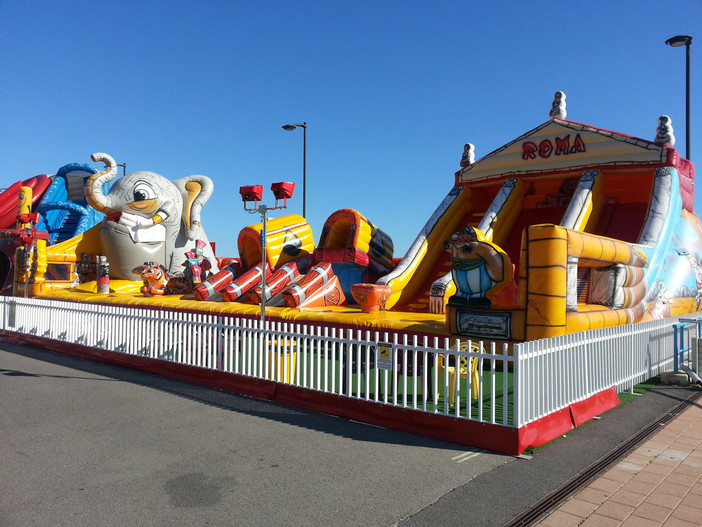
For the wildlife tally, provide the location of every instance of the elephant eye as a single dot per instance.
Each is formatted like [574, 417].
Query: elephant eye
[143, 191]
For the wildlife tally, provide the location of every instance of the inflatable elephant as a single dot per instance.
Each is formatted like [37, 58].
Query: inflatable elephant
[149, 218]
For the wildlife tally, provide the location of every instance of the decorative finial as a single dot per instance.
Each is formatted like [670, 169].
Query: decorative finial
[664, 133]
[558, 107]
[468, 155]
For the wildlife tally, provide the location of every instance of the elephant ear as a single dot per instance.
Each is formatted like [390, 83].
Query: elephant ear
[196, 191]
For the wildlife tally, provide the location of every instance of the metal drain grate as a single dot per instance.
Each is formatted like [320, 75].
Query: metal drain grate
[539, 510]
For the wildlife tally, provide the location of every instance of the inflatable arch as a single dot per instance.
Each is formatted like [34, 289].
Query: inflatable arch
[348, 236]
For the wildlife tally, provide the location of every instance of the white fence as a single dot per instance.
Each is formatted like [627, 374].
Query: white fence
[557, 372]
[537, 379]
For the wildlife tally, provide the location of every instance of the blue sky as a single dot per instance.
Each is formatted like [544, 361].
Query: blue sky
[391, 91]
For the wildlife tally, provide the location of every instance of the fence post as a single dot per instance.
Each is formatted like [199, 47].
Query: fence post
[632, 362]
[678, 332]
[516, 384]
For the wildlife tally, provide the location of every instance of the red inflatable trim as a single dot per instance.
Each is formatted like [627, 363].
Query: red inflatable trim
[345, 255]
[563, 421]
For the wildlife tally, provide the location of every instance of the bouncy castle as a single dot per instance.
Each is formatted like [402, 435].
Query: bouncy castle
[566, 228]
[468, 337]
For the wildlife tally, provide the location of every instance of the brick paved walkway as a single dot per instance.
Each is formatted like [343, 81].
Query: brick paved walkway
[659, 483]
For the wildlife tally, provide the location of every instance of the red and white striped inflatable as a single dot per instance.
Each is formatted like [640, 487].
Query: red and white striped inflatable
[242, 285]
[308, 285]
[216, 283]
[278, 281]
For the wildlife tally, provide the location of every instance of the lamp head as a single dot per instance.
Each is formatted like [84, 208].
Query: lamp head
[679, 40]
[283, 190]
[290, 127]
[251, 193]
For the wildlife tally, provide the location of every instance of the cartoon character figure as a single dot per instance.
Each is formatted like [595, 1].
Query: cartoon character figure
[155, 278]
[468, 157]
[558, 106]
[148, 217]
[24, 206]
[196, 262]
[664, 132]
[479, 269]
[85, 270]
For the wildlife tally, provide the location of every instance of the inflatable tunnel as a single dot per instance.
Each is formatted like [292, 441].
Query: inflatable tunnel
[349, 237]
[357, 250]
[288, 238]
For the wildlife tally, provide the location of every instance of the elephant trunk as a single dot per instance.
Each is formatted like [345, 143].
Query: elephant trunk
[198, 189]
[93, 187]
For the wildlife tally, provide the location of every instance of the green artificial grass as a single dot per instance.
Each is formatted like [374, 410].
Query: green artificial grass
[624, 397]
[639, 389]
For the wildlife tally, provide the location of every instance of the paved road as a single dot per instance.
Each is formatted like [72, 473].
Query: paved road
[86, 444]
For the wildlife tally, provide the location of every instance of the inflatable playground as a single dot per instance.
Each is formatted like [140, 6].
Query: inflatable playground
[566, 228]
[51, 208]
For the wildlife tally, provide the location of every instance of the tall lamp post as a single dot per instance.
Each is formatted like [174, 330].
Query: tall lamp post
[290, 127]
[676, 42]
[253, 194]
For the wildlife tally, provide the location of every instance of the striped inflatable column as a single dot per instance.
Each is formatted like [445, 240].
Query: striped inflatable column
[242, 285]
[280, 279]
[546, 272]
[312, 282]
[215, 283]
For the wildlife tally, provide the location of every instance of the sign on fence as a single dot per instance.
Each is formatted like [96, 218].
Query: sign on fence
[384, 358]
[11, 314]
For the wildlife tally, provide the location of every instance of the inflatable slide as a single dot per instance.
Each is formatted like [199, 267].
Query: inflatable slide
[10, 196]
[568, 227]
[62, 213]
[65, 213]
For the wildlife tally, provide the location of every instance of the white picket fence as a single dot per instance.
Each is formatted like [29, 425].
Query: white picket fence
[513, 389]
[557, 372]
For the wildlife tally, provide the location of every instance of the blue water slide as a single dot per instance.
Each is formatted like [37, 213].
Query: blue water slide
[64, 211]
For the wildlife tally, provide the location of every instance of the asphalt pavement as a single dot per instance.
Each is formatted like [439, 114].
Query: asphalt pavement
[84, 443]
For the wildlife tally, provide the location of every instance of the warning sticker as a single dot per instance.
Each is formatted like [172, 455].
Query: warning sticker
[384, 358]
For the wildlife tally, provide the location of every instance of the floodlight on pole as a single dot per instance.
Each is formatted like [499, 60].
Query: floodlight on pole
[253, 194]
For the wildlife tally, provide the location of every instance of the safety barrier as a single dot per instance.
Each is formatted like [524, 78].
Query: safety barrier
[560, 371]
[517, 386]
[370, 365]
[683, 334]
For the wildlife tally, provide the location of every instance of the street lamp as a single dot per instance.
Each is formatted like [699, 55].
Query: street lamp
[676, 42]
[289, 128]
[254, 193]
